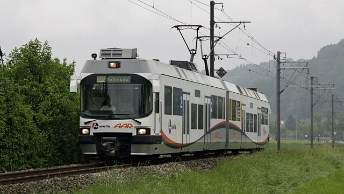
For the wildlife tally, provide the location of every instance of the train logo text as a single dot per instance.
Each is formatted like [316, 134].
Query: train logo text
[124, 125]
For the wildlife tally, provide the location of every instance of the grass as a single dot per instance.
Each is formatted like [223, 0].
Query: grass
[294, 169]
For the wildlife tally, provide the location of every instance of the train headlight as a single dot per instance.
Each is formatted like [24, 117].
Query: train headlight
[143, 131]
[114, 64]
[85, 131]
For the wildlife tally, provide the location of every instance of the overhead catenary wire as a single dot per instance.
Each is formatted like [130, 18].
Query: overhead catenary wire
[221, 41]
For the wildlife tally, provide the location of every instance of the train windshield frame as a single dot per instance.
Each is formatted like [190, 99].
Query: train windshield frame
[130, 96]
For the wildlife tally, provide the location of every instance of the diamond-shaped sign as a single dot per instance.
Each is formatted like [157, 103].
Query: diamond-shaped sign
[221, 72]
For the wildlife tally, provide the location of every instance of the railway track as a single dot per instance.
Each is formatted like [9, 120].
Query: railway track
[35, 175]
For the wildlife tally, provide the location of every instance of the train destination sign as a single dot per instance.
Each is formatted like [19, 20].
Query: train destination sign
[113, 79]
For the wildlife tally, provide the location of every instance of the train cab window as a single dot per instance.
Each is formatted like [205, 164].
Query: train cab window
[130, 95]
[177, 95]
[168, 100]
[197, 93]
[193, 116]
[200, 116]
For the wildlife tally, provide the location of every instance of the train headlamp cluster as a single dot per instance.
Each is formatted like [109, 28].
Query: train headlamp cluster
[84, 131]
[143, 131]
[114, 64]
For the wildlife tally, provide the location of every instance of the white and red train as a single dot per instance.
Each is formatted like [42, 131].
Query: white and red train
[137, 107]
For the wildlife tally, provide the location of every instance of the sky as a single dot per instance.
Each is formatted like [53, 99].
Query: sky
[77, 28]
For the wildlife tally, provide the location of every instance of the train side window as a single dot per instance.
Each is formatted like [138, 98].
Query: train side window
[193, 116]
[266, 116]
[197, 93]
[255, 123]
[248, 122]
[200, 116]
[238, 110]
[168, 100]
[176, 101]
[157, 102]
[251, 122]
[214, 108]
[234, 110]
[220, 107]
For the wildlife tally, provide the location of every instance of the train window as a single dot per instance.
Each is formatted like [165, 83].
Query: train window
[248, 122]
[251, 122]
[200, 116]
[214, 107]
[255, 123]
[234, 110]
[197, 93]
[168, 100]
[177, 95]
[238, 111]
[220, 109]
[193, 116]
[157, 102]
[266, 117]
[251, 105]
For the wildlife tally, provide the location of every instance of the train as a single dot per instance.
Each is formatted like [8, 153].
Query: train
[134, 107]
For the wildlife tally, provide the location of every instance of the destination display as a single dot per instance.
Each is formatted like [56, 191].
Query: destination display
[113, 79]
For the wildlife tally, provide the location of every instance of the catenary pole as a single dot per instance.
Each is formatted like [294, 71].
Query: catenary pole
[212, 24]
[278, 100]
[311, 137]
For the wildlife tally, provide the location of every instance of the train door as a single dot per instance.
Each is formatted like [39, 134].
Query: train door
[186, 121]
[158, 113]
[207, 117]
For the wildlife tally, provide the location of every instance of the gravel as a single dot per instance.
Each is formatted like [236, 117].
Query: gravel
[78, 182]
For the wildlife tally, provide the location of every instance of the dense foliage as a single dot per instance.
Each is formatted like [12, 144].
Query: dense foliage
[39, 117]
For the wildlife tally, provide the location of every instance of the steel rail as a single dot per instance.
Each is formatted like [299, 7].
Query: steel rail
[35, 175]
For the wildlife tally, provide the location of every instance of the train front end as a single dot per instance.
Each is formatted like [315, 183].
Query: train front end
[116, 110]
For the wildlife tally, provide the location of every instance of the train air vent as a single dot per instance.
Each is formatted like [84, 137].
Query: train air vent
[118, 53]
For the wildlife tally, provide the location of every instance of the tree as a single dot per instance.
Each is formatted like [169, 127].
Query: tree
[40, 116]
[318, 117]
[290, 123]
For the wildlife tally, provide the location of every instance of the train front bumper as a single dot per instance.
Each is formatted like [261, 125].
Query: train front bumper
[115, 144]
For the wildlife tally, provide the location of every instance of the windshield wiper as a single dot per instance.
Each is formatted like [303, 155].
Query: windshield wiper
[98, 119]
[112, 115]
[139, 122]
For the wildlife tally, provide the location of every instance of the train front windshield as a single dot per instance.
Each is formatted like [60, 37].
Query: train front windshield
[116, 96]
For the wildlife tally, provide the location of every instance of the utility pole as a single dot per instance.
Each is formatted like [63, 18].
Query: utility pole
[312, 112]
[278, 95]
[278, 100]
[212, 24]
[212, 41]
[315, 86]
[333, 135]
[332, 124]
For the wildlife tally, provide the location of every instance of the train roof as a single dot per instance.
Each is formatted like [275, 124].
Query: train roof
[129, 63]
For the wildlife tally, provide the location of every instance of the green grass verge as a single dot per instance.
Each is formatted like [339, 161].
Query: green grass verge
[295, 168]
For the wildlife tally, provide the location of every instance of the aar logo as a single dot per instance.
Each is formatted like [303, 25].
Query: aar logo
[170, 126]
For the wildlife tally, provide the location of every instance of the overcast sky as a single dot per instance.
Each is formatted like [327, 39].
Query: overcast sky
[77, 28]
